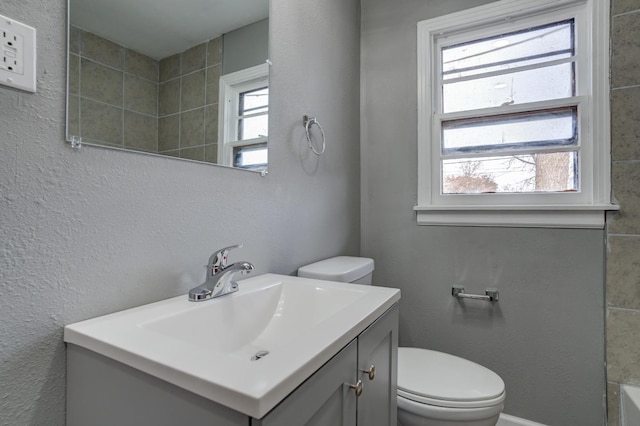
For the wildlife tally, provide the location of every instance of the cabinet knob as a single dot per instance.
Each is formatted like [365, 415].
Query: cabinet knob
[371, 372]
[357, 387]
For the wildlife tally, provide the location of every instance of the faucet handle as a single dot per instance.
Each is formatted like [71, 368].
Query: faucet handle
[218, 260]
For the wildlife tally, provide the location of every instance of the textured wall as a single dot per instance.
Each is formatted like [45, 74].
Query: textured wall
[623, 254]
[84, 233]
[546, 335]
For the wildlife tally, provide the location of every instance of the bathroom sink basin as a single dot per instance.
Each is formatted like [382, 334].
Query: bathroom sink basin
[245, 350]
[262, 318]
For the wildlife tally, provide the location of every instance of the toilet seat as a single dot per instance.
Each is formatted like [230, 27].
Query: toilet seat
[452, 404]
[443, 380]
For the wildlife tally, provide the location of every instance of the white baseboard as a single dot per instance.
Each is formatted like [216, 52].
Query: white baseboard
[507, 420]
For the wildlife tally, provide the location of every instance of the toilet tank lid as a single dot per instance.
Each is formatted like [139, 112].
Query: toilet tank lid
[342, 268]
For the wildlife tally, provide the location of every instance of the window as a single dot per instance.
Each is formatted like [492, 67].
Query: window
[244, 118]
[513, 115]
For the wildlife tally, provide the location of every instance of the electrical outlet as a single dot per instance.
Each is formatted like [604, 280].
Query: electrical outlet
[12, 52]
[17, 54]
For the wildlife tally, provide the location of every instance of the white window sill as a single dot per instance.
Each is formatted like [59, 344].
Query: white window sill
[533, 216]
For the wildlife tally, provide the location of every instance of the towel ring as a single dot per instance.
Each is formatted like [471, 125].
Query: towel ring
[308, 122]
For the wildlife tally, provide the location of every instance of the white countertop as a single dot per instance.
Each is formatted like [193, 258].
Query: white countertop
[206, 347]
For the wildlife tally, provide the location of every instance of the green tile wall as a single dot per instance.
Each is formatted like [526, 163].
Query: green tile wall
[623, 228]
[188, 102]
[119, 97]
[113, 93]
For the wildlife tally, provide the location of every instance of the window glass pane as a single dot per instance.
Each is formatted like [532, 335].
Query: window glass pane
[557, 127]
[253, 101]
[541, 84]
[253, 127]
[546, 172]
[525, 47]
[250, 156]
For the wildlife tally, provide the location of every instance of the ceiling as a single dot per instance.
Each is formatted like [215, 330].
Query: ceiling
[161, 28]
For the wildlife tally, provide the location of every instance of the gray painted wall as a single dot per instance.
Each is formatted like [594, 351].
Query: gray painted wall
[246, 47]
[93, 231]
[545, 337]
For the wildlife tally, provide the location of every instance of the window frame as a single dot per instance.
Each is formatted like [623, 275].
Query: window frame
[231, 86]
[583, 209]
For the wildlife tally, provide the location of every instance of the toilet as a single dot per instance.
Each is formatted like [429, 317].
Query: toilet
[434, 388]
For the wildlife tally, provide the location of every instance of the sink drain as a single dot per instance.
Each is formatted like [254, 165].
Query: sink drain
[259, 355]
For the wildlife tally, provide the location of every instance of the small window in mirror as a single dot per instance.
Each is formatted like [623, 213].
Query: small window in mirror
[253, 113]
[244, 118]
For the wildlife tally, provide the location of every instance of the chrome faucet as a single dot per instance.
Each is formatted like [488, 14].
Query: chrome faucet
[220, 277]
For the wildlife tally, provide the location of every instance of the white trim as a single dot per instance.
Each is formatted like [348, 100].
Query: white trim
[230, 85]
[495, 13]
[539, 106]
[507, 420]
[585, 208]
[601, 122]
[530, 216]
[425, 103]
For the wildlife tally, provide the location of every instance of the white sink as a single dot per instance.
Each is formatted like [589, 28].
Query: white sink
[209, 347]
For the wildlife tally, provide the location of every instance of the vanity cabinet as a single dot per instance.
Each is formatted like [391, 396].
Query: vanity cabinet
[104, 392]
[324, 399]
[329, 398]
[378, 349]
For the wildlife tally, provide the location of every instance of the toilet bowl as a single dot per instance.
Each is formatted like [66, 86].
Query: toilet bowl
[434, 388]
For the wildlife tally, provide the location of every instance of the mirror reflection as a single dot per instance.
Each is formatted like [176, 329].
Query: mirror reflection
[183, 79]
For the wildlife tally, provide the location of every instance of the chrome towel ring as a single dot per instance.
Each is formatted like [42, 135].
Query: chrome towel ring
[308, 122]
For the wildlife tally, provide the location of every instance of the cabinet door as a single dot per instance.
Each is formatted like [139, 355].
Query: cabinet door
[325, 399]
[378, 347]
[104, 392]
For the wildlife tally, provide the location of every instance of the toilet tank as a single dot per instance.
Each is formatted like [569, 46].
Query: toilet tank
[346, 269]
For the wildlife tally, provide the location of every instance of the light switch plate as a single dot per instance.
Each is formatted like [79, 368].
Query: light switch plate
[17, 55]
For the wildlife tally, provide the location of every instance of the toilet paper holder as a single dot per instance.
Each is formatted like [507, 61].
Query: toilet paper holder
[490, 294]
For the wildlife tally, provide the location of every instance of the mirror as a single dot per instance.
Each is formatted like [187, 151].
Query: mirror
[184, 79]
